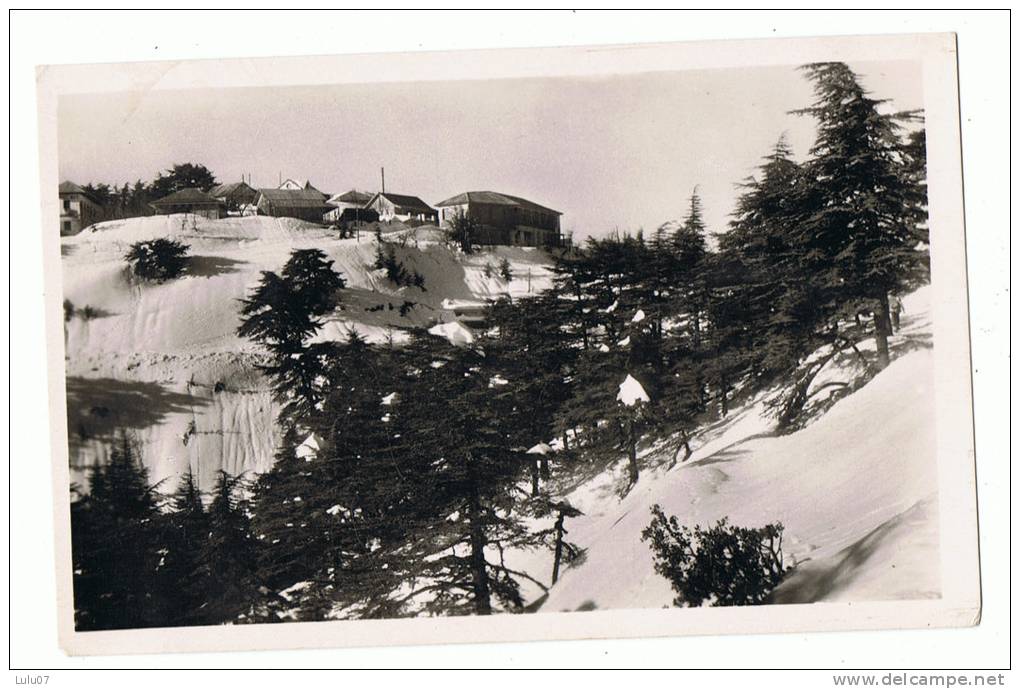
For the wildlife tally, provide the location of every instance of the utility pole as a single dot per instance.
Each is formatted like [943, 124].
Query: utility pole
[382, 172]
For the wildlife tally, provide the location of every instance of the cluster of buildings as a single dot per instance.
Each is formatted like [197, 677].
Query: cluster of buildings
[499, 218]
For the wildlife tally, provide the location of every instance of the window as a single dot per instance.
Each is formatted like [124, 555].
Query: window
[67, 227]
[67, 204]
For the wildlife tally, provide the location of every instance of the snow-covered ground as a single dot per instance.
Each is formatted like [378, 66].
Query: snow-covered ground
[164, 361]
[856, 491]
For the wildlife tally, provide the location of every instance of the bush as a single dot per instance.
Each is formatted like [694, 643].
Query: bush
[723, 565]
[157, 260]
[504, 270]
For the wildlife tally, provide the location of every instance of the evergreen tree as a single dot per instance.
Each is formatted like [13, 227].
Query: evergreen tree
[505, 271]
[282, 312]
[863, 222]
[183, 176]
[116, 548]
[229, 556]
[186, 531]
[472, 506]
[462, 230]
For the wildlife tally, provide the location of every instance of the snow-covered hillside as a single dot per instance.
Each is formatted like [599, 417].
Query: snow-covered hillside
[163, 360]
[856, 490]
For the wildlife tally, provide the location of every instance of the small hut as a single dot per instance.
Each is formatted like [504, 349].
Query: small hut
[191, 200]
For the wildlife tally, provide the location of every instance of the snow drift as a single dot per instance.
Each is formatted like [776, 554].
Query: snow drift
[163, 361]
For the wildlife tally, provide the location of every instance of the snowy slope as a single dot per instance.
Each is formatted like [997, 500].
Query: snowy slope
[856, 491]
[163, 361]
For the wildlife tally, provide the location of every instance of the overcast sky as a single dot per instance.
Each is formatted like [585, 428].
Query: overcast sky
[609, 152]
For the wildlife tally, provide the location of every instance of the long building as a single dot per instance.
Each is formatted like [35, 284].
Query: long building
[504, 218]
[305, 204]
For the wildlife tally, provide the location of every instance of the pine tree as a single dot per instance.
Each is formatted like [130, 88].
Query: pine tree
[282, 313]
[229, 556]
[863, 223]
[116, 547]
[505, 271]
[472, 506]
[185, 536]
[766, 305]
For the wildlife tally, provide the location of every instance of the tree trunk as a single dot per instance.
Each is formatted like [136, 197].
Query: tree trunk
[632, 466]
[543, 465]
[533, 466]
[882, 331]
[559, 547]
[722, 396]
[566, 444]
[480, 577]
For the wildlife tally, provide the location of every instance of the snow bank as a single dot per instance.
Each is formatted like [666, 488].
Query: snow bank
[455, 332]
[856, 491]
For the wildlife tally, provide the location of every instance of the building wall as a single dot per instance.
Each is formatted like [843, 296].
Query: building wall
[76, 213]
[210, 211]
[509, 225]
[310, 213]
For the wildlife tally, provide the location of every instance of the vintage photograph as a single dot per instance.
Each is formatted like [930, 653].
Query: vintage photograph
[527, 345]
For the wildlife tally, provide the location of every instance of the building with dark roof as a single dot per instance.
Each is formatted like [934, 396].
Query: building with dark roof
[304, 204]
[190, 200]
[402, 207]
[350, 207]
[504, 218]
[77, 209]
[235, 195]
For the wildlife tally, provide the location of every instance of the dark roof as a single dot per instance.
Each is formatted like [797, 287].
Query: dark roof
[191, 195]
[222, 190]
[494, 198]
[405, 201]
[71, 188]
[294, 198]
[353, 196]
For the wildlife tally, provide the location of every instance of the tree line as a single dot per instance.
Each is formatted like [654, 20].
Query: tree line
[405, 483]
[133, 200]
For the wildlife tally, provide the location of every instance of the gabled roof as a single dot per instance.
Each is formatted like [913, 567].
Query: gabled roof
[185, 196]
[67, 187]
[494, 198]
[352, 196]
[404, 201]
[292, 184]
[294, 198]
[221, 190]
